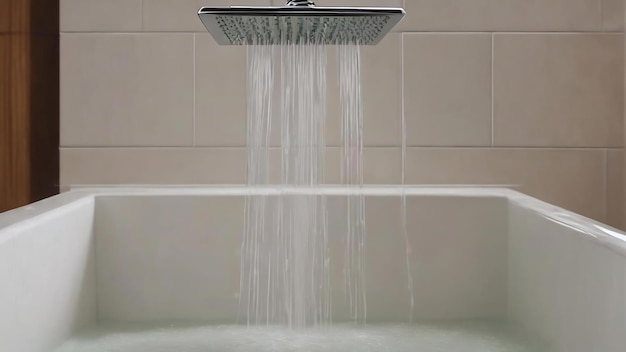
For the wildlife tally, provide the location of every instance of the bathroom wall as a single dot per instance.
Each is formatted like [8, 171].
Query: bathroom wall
[522, 93]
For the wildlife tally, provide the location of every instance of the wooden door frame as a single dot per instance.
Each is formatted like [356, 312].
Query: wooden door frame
[29, 101]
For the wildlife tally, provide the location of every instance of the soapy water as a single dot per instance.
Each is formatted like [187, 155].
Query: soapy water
[471, 336]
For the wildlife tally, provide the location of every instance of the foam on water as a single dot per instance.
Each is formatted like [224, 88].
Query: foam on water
[451, 337]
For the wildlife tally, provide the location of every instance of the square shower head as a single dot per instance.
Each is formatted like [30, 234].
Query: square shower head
[239, 25]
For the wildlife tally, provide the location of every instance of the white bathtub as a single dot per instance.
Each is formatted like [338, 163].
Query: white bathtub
[162, 254]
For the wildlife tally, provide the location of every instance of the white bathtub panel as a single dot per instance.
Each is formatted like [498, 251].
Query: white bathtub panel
[385, 262]
[564, 286]
[616, 303]
[168, 258]
[458, 259]
[173, 254]
[531, 272]
[543, 276]
[596, 322]
[52, 275]
[163, 258]
[9, 335]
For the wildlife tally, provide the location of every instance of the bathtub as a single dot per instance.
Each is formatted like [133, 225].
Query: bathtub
[162, 254]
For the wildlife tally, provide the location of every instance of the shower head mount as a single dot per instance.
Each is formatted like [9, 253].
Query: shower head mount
[299, 22]
[300, 3]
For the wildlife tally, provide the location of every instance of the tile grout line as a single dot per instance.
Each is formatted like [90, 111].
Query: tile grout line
[403, 124]
[492, 90]
[97, 308]
[143, 28]
[403, 144]
[601, 15]
[193, 95]
[606, 185]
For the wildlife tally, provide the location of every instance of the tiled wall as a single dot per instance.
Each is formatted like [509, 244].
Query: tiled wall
[522, 92]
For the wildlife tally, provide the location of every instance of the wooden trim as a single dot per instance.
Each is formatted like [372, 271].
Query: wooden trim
[14, 166]
[44, 116]
[5, 17]
[29, 103]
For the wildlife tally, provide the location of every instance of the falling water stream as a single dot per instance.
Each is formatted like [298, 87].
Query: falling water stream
[349, 62]
[285, 264]
[285, 260]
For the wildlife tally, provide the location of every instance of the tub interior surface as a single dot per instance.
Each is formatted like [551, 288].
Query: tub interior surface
[466, 336]
[486, 264]
[178, 258]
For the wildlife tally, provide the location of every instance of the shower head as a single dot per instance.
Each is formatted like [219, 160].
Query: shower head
[300, 21]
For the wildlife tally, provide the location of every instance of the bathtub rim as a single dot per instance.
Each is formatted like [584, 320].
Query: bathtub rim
[37, 212]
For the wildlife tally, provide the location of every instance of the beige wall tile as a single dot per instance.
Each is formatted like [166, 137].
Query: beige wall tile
[220, 89]
[381, 82]
[351, 3]
[186, 256]
[447, 89]
[613, 15]
[474, 267]
[502, 15]
[570, 178]
[182, 15]
[126, 89]
[100, 15]
[153, 166]
[332, 173]
[203, 166]
[615, 216]
[387, 295]
[333, 107]
[381, 94]
[381, 76]
[331, 166]
[174, 15]
[380, 165]
[563, 90]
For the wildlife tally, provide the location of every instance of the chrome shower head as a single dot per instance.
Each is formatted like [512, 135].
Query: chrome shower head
[300, 21]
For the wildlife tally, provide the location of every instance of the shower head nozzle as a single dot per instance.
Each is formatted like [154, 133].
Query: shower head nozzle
[300, 21]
